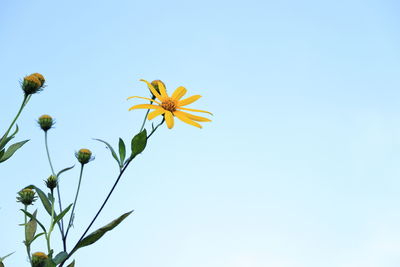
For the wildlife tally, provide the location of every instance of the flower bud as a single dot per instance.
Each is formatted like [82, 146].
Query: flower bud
[84, 155]
[155, 85]
[40, 78]
[51, 182]
[31, 85]
[45, 122]
[39, 259]
[26, 196]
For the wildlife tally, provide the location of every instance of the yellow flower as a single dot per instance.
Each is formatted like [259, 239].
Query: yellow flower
[171, 106]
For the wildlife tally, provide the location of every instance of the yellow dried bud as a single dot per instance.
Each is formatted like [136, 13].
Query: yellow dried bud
[39, 259]
[26, 196]
[31, 84]
[40, 78]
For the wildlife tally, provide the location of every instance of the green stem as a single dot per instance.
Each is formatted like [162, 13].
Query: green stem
[145, 117]
[61, 223]
[24, 102]
[74, 205]
[107, 198]
[48, 235]
[28, 246]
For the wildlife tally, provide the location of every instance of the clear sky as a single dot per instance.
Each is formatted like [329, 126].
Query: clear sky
[299, 168]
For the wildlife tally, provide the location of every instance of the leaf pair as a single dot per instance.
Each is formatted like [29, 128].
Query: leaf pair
[138, 144]
[5, 154]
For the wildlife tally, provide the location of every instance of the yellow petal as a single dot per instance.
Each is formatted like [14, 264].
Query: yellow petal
[169, 119]
[155, 113]
[179, 93]
[188, 100]
[162, 89]
[152, 89]
[185, 119]
[195, 110]
[193, 117]
[146, 106]
[152, 100]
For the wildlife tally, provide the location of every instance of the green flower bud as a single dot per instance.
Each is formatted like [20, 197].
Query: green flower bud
[155, 85]
[39, 259]
[26, 196]
[51, 182]
[84, 155]
[45, 122]
[32, 83]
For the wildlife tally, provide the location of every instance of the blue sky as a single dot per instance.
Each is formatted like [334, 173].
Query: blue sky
[299, 167]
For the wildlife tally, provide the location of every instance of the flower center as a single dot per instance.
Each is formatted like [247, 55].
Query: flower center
[169, 105]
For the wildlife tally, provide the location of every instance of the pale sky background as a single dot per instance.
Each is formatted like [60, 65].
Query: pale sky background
[299, 168]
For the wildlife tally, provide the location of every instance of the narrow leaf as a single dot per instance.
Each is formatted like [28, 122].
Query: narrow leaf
[139, 143]
[122, 151]
[111, 149]
[30, 229]
[31, 216]
[64, 170]
[45, 201]
[11, 150]
[62, 214]
[96, 235]
[36, 236]
[60, 257]
[72, 264]
[6, 256]
[4, 140]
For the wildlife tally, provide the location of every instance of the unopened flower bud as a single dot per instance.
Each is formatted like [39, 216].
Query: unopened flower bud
[31, 85]
[39, 259]
[84, 155]
[156, 86]
[51, 182]
[26, 196]
[40, 78]
[45, 122]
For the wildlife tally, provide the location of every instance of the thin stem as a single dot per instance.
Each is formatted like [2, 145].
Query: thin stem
[24, 102]
[145, 117]
[48, 235]
[28, 246]
[107, 198]
[74, 205]
[61, 223]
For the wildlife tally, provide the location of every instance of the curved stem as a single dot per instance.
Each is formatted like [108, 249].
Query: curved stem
[24, 102]
[60, 224]
[74, 205]
[106, 200]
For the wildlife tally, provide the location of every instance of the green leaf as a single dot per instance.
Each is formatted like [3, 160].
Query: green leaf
[1, 264]
[30, 229]
[45, 201]
[62, 214]
[11, 150]
[4, 140]
[72, 264]
[60, 257]
[36, 236]
[64, 170]
[96, 235]
[6, 256]
[111, 149]
[1, 153]
[139, 143]
[122, 151]
[31, 216]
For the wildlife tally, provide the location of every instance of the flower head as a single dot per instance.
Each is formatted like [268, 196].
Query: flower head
[51, 182]
[39, 259]
[171, 106]
[45, 122]
[26, 196]
[84, 155]
[33, 83]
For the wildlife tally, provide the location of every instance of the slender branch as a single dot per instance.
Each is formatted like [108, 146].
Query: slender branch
[74, 205]
[24, 102]
[61, 223]
[107, 198]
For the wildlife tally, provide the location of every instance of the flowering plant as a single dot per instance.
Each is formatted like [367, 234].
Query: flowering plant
[62, 219]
